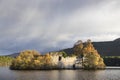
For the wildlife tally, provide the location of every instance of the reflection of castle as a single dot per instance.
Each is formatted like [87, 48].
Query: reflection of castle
[66, 63]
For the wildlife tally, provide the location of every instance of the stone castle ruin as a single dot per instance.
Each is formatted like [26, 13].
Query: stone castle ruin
[67, 62]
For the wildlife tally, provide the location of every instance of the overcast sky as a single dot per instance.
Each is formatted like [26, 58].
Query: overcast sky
[47, 25]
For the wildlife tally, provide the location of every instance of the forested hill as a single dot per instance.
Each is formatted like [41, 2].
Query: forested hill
[107, 48]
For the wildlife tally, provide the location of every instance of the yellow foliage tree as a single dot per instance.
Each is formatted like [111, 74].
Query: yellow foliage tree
[78, 48]
[24, 60]
[92, 59]
[31, 59]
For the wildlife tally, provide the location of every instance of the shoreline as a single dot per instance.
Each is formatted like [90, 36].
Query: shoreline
[108, 67]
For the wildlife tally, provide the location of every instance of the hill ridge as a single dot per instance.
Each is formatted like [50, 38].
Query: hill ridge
[104, 48]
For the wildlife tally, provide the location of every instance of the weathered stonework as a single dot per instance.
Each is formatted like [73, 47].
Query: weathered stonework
[65, 63]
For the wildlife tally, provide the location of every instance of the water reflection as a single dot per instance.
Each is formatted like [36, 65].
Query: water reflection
[6, 74]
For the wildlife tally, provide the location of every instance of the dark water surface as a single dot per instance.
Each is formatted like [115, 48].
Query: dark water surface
[109, 74]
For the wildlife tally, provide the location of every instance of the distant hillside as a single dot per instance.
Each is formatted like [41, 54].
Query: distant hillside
[13, 55]
[111, 48]
[107, 48]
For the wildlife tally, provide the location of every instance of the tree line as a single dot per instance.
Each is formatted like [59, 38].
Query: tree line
[31, 59]
[5, 60]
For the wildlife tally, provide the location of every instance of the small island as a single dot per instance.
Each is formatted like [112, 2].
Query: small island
[85, 56]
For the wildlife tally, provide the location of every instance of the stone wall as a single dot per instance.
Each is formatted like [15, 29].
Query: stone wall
[67, 62]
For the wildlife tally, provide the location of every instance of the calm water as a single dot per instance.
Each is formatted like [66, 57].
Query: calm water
[109, 74]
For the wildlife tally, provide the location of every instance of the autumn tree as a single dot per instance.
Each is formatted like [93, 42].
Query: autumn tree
[90, 57]
[78, 46]
[31, 59]
[5, 60]
[25, 60]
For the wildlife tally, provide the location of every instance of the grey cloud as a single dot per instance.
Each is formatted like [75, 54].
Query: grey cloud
[48, 25]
